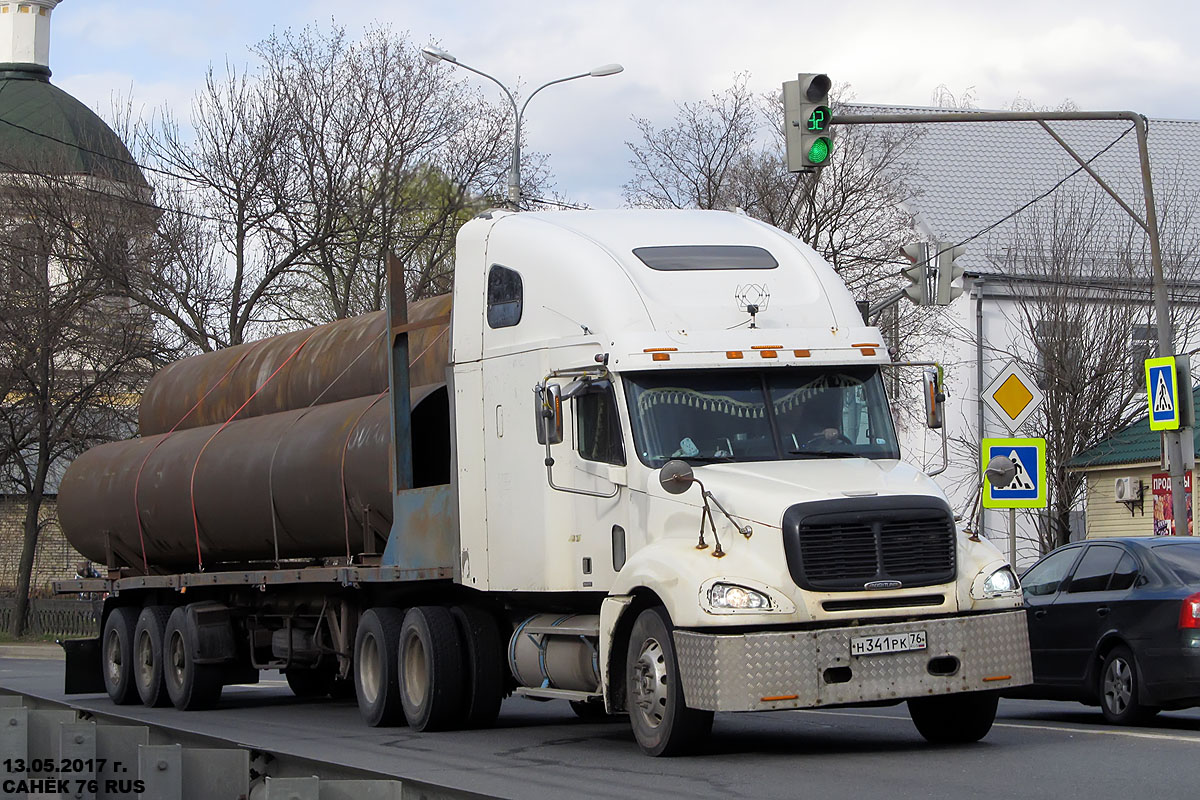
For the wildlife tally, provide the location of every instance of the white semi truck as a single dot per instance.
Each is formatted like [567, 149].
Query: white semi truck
[657, 476]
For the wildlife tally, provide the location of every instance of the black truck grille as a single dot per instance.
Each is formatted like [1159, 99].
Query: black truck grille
[842, 545]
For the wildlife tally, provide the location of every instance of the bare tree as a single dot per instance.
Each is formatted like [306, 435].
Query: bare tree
[74, 353]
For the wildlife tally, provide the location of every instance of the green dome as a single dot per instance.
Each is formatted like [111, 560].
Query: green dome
[44, 129]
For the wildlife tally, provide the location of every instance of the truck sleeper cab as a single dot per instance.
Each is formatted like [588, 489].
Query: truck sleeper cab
[674, 488]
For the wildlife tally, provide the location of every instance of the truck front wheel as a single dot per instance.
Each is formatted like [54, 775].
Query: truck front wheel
[954, 718]
[118, 655]
[662, 722]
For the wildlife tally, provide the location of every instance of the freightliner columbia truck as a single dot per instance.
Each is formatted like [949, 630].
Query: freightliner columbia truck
[642, 461]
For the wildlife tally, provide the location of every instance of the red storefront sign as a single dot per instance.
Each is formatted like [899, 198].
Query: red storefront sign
[1160, 486]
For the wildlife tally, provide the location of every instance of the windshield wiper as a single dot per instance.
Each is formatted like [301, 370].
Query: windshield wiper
[707, 459]
[824, 454]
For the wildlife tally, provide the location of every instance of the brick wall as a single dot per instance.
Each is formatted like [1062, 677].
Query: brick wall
[55, 558]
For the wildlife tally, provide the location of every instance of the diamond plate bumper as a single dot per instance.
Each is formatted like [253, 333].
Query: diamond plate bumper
[807, 669]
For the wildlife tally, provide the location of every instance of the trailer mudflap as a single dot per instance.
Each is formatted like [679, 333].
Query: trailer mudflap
[767, 670]
[83, 673]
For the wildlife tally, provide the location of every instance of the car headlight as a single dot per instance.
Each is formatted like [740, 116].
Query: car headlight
[1002, 581]
[740, 598]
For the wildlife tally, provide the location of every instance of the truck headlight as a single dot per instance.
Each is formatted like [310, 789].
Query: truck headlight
[1002, 581]
[741, 598]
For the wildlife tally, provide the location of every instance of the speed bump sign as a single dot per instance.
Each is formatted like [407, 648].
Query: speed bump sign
[1162, 392]
[1027, 489]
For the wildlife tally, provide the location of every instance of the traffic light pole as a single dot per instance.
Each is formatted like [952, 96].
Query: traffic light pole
[1172, 440]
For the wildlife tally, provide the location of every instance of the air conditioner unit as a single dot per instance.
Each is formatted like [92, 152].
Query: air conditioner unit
[1127, 489]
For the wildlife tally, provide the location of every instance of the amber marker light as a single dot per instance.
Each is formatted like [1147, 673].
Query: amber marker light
[867, 351]
[801, 353]
[733, 354]
[779, 697]
[991, 678]
[660, 353]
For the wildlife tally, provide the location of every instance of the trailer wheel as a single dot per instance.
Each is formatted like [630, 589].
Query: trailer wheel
[147, 655]
[375, 649]
[117, 662]
[662, 722]
[954, 718]
[431, 669]
[483, 687]
[192, 686]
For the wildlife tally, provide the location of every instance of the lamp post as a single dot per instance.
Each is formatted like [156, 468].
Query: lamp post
[435, 54]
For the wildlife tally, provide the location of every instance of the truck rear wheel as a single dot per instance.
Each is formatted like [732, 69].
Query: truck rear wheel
[192, 686]
[147, 655]
[375, 650]
[117, 655]
[662, 722]
[431, 669]
[954, 718]
[483, 686]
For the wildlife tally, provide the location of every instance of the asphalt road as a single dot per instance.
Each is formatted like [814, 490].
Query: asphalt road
[1036, 749]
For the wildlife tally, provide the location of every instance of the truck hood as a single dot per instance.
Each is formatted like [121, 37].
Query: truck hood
[762, 491]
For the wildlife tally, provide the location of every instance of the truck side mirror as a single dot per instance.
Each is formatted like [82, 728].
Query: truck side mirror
[548, 414]
[935, 396]
[676, 476]
[1000, 471]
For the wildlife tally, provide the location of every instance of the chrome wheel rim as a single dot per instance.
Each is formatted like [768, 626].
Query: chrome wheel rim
[143, 659]
[1118, 686]
[416, 672]
[648, 683]
[112, 657]
[370, 669]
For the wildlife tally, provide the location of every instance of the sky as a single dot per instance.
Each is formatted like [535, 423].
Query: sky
[1101, 54]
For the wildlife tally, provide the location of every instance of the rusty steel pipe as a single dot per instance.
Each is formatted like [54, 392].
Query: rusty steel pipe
[273, 486]
[341, 360]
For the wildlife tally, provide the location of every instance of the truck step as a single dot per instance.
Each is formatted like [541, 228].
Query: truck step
[556, 694]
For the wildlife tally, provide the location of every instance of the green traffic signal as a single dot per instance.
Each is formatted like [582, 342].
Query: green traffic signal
[819, 150]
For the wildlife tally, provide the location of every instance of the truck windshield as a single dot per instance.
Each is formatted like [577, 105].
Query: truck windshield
[711, 416]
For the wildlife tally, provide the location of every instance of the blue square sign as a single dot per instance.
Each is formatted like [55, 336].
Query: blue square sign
[1027, 489]
[1161, 393]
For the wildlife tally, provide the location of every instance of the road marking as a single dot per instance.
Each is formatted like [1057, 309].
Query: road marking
[1056, 728]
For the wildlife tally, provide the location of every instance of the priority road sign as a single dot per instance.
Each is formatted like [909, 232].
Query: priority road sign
[1162, 393]
[1013, 396]
[1028, 486]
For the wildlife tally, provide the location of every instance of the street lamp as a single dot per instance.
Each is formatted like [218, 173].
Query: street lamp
[435, 54]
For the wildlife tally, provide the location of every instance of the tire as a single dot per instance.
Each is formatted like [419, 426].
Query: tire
[954, 718]
[191, 686]
[431, 666]
[148, 658]
[662, 722]
[116, 655]
[375, 647]
[483, 685]
[1119, 689]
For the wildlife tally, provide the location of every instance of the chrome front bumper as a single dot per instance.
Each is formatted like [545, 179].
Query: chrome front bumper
[808, 669]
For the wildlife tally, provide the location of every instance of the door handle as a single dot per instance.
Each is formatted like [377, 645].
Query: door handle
[1103, 611]
[1039, 613]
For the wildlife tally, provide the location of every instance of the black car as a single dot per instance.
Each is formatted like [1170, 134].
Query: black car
[1116, 622]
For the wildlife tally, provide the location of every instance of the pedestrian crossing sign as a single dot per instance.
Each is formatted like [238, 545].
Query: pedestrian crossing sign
[1027, 489]
[1162, 393]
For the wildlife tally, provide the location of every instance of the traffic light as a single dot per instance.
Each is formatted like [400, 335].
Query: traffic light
[806, 122]
[948, 272]
[918, 273]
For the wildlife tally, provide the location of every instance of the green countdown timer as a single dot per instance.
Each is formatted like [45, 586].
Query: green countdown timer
[818, 120]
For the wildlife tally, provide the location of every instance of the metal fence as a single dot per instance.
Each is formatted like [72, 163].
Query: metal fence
[55, 616]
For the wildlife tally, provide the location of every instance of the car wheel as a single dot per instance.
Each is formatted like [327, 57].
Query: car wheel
[954, 718]
[117, 655]
[662, 722]
[1120, 695]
